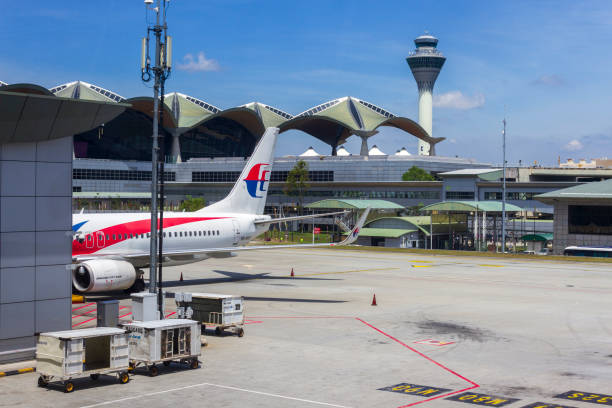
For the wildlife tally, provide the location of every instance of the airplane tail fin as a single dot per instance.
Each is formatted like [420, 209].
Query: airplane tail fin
[248, 196]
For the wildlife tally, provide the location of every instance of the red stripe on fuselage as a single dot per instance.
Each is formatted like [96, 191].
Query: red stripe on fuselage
[132, 227]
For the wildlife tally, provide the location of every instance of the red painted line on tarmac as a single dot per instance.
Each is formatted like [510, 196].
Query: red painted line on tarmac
[80, 307]
[83, 322]
[86, 313]
[439, 396]
[93, 318]
[249, 321]
[127, 314]
[170, 314]
[474, 385]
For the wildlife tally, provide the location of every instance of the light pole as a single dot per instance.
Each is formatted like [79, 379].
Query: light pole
[159, 70]
[504, 188]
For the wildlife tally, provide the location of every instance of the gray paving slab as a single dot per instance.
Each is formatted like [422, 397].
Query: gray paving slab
[515, 329]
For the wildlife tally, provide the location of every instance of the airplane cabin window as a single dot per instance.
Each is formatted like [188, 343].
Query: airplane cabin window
[114, 237]
[108, 237]
[89, 237]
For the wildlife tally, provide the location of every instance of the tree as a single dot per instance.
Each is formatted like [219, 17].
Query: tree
[191, 204]
[297, 182]
[417, 174]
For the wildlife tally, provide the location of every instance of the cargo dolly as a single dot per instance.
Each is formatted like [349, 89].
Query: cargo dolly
[65, 355]
[222, 312]
[162, 342]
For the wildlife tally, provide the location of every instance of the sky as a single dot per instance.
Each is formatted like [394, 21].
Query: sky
[543, 65]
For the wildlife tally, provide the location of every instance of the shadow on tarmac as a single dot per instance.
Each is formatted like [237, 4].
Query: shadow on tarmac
[236, 277]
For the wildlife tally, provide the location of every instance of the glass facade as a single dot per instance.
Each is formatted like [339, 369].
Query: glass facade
[276, 176]
[511, 195]
[416, 195]
[218, 137]
[127, 137]
[590, 219]
[110, 174]
[459, 195]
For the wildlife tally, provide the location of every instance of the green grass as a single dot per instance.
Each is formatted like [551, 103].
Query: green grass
[292, 238]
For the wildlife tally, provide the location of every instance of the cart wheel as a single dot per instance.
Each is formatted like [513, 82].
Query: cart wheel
[218, 331]
[124, 377]
[240, 332]
[194, 364]
[153, 371]
[167, 363]
[94, 376]
[68, 386]
[42, 382]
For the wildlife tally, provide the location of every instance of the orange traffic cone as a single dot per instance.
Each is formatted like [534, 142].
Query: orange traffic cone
[292, 275]
[181, 279]
[374, 300]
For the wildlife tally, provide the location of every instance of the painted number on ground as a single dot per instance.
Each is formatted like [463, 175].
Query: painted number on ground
[595, 398]
[482, 399]
[546, 405]
[432, 342]
[415, 389]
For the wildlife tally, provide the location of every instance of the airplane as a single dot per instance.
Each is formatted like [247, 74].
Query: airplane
[109, 250]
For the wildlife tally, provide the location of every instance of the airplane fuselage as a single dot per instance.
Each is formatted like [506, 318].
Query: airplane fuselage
[118, 234]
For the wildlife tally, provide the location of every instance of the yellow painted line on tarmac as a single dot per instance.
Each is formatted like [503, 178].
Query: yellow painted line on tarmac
[422, 266]
[493, 266]
[352, 271]
[419, 261]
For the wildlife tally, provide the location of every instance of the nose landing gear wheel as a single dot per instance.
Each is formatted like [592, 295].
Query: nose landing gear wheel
[194, 364]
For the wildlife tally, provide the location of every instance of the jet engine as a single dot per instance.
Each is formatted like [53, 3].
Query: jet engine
[100, 275]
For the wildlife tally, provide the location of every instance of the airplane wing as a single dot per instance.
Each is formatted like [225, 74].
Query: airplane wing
[299, 217]
[143, 257]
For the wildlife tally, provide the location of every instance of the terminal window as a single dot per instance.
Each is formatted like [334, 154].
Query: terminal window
[459, 195]
[590, 219]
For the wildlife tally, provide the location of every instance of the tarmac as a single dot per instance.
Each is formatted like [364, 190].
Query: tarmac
[446, 331]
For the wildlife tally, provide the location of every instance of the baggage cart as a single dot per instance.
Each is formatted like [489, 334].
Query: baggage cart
[163, 341]
[65, 355]
[216, 310]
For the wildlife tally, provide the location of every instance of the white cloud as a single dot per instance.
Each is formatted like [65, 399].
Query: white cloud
[573, 145]
[199, 64]
[457, 100]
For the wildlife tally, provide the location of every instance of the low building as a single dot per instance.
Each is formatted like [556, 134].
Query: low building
[582, 215]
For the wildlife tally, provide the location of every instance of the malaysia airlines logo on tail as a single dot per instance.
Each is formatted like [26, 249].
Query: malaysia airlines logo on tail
[255, 179]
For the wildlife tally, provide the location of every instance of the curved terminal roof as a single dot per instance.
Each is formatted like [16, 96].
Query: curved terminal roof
[87, 91]
[270, 116]
[356, 204]
[187, 110]
[332, 122]
[23, 115]
[469, 206]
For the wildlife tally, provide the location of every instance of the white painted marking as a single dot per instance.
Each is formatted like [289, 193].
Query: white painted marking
[213, 385]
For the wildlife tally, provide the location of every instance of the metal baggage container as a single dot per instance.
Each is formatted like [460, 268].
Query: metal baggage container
[65, 355]
[213, 309]
[163, 341]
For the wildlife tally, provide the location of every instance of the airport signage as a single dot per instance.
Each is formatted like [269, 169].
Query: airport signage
[415, 389]
[482, 399]
[594, 398]
[546, 405]
[316, 230]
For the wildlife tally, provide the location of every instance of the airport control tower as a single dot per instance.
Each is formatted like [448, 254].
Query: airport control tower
[425, 63]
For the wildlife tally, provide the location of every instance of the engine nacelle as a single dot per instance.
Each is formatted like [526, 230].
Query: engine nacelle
[101, 275]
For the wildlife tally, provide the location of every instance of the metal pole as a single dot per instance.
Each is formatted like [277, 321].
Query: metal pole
[162, 151]
[504, 190]
[154, 154]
